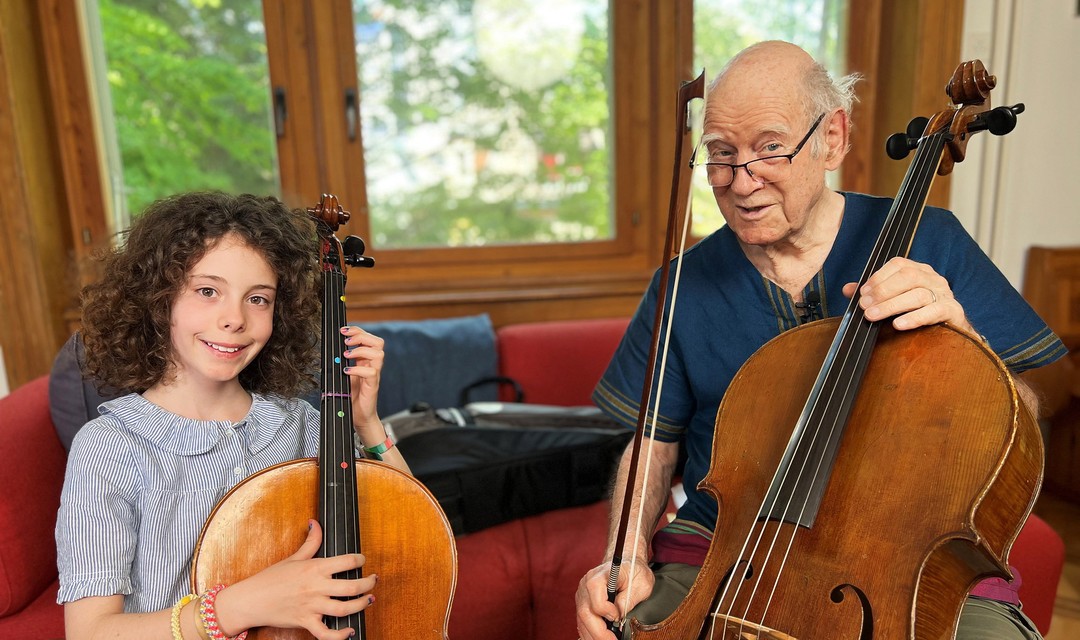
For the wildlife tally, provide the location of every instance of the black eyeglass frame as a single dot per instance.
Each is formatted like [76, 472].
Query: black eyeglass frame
[746, 165]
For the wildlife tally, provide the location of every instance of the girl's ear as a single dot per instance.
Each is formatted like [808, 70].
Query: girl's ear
[836, 139]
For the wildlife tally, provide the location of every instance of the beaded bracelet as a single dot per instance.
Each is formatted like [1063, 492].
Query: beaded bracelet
[209, 616]
[175, 617]
[378, 450]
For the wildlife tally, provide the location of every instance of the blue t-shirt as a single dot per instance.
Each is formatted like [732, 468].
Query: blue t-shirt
[726, 310]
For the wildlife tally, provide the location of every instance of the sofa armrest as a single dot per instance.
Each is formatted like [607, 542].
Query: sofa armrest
[32, 474]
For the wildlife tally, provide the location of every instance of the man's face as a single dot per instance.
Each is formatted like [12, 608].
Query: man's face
[758, 211]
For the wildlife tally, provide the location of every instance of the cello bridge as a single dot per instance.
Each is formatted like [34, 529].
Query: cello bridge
[743, 630]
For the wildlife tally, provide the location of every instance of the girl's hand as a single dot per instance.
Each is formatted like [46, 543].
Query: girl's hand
[365, 370]
[296, 593]
[365, 352]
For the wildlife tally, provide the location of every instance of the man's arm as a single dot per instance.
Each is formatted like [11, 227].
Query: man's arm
[650, 502]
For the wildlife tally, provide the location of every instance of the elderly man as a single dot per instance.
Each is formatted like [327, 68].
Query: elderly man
[775, 122]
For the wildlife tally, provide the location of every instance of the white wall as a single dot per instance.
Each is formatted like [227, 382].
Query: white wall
[1023, 189]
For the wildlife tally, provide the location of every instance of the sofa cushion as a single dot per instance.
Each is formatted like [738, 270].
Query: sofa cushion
[558, 362]
[563, 545]
[73, 399]
[433, 360]
[494, 597]
[1039, 556]
[32, 475]
[42, 619]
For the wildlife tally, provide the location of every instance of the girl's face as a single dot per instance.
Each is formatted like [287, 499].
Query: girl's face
[224, 314]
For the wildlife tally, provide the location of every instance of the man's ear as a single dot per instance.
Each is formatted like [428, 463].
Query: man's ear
[837, 142]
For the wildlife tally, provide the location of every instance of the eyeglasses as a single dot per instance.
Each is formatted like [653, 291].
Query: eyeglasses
[765, 170]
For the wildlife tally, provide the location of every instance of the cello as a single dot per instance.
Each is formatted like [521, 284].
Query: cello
[406, 536]
[887, 471]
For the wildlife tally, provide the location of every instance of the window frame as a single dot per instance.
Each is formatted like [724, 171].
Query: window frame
[896, 47]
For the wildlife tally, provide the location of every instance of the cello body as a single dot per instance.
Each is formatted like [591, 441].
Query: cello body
[264, 520]
[935, 474]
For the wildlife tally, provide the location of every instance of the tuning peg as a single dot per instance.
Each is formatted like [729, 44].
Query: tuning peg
[353, 248]
[899, 144]
[1002, 120]
[354, 245]
[917, 127]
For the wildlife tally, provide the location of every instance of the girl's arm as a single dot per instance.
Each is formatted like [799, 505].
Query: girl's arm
[104, 617]
[294, 593]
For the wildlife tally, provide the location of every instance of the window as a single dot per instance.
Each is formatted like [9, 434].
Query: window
[906, 51]
[186, 87]
[485, 123]
[496, 155]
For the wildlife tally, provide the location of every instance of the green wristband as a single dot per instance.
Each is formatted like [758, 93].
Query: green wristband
[379, 449]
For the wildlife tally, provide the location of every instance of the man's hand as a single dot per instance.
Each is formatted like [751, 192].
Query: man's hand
[594, 610]
[912, 292]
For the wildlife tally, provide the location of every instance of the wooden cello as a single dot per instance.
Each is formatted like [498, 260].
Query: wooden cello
[406, 537]
[883, 474]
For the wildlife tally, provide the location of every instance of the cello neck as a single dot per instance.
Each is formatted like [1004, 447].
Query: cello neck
[819, 430]
[337, 463]
[903, 219]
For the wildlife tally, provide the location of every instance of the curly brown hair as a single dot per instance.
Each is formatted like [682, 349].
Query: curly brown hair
[126, 315]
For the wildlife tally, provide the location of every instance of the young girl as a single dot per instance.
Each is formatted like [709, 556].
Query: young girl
[208, 318]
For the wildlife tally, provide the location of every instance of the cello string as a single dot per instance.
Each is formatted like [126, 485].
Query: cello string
[817, 408]
[898, 231]
[330, 387]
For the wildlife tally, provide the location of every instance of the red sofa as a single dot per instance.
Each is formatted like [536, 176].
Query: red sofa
[516, 579]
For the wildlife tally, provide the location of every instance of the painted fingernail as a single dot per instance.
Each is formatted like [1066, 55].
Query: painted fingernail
[346, 369]
[371, 599]
[344, 329]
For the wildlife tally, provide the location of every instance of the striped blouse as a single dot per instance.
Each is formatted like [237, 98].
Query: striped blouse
[141, 482]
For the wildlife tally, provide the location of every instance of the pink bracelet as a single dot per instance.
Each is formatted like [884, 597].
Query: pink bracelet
[209, 616]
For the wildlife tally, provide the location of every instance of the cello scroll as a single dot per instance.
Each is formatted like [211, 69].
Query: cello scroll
[969, 88]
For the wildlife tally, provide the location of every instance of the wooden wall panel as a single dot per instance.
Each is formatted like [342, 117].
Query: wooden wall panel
[35, 246]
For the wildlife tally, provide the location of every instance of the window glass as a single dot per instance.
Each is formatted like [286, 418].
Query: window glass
[485, 122]
[724, 27]
[186, 84]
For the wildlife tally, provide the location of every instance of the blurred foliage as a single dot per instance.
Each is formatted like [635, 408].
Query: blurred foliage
[475, 158]
[189, 89]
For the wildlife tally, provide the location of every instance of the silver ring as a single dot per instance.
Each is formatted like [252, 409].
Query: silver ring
[932, 294]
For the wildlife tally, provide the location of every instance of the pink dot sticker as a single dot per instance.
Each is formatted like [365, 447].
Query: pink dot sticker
[344, 465]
